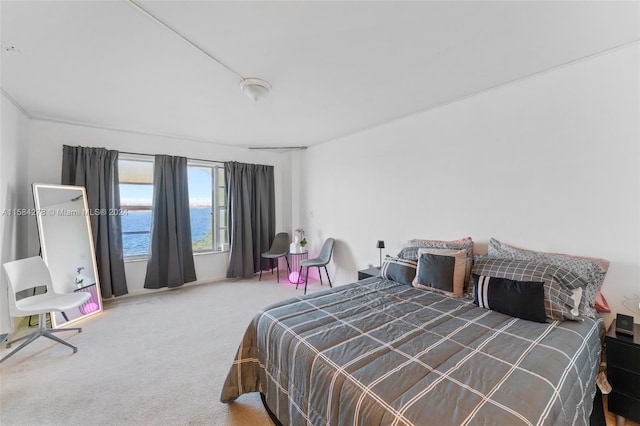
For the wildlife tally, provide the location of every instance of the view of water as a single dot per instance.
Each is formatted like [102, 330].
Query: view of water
[140, 221]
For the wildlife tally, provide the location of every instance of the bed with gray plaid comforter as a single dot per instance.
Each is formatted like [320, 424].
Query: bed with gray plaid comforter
[378, 352]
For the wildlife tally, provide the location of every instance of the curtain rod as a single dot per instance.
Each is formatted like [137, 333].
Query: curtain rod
[153, 155]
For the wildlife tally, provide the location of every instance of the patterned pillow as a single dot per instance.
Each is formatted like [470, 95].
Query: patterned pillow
[521, 299]
[562, 289]
[399, 270]
[591, 270]
[410, 251]
[441, 270]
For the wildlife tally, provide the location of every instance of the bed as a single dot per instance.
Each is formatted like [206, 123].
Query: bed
[379, 351]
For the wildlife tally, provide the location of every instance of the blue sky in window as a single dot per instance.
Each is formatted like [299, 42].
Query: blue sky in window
[199, 190]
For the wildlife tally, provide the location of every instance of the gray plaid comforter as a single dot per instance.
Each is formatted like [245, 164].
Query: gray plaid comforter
[380, 353]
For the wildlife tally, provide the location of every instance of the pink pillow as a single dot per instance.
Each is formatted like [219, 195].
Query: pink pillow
[601, 303]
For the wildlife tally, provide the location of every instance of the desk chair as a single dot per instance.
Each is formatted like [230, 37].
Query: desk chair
[322, 260]
[32, 272]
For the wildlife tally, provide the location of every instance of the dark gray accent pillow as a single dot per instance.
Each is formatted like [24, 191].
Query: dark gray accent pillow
[399, 270]
[436, 271]
[520, 299]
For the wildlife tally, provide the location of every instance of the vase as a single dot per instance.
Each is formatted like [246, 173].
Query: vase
[79, 280]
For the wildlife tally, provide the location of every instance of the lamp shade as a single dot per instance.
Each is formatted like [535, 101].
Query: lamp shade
[380, 244]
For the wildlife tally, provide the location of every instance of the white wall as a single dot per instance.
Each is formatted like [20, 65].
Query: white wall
[14, 193]
[45, 160]
[549, 163]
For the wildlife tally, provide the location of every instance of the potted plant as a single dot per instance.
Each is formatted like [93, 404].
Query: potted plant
[301, 237]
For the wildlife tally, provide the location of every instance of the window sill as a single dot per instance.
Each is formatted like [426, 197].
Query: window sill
[133, 259]
[202, 253]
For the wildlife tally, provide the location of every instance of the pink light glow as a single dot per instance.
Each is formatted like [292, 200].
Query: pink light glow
[294, 277]
[89, 307]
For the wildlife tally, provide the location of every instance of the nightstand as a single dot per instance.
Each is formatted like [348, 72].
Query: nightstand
[623, 373]
[369, 272]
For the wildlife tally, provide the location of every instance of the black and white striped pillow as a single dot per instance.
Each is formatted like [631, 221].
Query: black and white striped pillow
[521, 299]
[399, 270]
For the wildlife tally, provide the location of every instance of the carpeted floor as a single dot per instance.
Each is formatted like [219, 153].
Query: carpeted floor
[157, 359]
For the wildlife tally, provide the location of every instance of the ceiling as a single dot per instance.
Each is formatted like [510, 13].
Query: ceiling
[335, 67]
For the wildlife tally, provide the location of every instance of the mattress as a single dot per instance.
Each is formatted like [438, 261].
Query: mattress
[379, 352]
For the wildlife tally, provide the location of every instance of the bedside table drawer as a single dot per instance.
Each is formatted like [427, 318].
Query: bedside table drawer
[621, 354]
[624, 405]
[624, 381]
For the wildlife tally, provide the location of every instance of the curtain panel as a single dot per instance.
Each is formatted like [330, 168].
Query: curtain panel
[97, 170]
[171, 259]
[252, 218]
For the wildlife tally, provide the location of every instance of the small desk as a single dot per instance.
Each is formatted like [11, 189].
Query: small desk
[294, 263]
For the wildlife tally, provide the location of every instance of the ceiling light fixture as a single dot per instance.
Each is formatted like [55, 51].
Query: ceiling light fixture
[255, 88]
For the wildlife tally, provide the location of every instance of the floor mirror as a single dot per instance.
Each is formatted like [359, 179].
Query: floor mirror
[66, 245]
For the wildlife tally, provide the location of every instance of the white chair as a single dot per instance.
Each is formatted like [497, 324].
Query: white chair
[29, 273]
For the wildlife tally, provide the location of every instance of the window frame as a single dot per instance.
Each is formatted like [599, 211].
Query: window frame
[141, 159]
[217, 244]
[217, 205]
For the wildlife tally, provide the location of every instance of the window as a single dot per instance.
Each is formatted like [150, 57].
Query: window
[207, 205]
[136, 195]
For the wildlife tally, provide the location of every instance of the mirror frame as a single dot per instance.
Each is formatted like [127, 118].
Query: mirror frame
[46, 248]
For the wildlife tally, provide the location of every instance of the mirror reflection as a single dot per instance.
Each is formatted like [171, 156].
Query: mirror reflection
[66, 246]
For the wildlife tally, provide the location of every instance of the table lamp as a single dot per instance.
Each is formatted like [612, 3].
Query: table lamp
[380, 245]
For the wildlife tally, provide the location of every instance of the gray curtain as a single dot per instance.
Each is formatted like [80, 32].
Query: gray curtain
[171, 259]
[97, 170]
[252, 217]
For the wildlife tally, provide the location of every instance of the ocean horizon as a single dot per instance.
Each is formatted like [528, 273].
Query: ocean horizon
[139, 221]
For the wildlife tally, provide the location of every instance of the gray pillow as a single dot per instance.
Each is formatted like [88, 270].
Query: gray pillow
[399, 270]
[436, 272]
[562, 289]
[590, 272]
[410, 251]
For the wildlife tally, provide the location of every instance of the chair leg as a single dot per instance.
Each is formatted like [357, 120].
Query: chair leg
[277, 271]
[306, 281]
[31, 338]
[42, 331]
[328, 277]
[288, 267]
[260, 279]
[59, 340]
[320, 275]
[299, 275]
[58, 330]
[21, 338]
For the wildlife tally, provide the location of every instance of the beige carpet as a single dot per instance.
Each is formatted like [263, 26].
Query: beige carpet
[157, 359]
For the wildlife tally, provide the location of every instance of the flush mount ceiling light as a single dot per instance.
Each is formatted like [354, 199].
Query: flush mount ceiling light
[255, 88]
